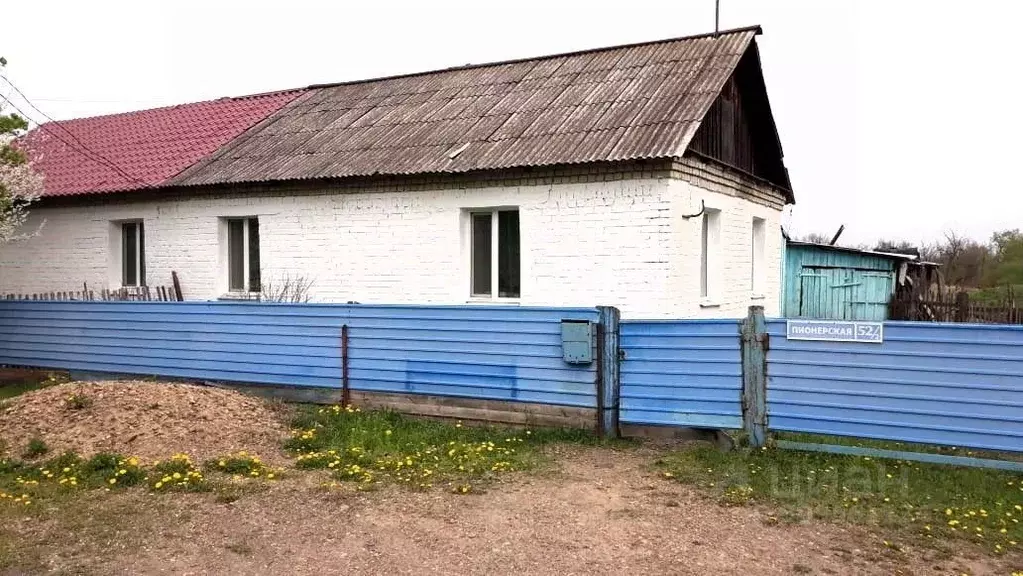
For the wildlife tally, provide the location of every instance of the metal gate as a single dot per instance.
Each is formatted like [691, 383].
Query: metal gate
[682, 373]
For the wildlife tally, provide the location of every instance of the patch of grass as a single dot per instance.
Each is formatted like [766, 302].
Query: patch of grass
[21, 482]
[114, 470]
[36, 447]
[228, 491]
[898, 446]
[77, 401]
[178, 473]
[244, 465]
[374, 446]
[907, 499]
[10, 389]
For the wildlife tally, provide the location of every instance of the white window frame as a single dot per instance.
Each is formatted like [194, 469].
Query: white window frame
[495, 291]
[246, 259]
[758, 251]
[710, 257]
[140, 255]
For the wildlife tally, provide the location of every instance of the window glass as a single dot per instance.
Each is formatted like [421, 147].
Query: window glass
[508, 281]
[481, 253]
[254, 278]
[236, 254]
[129, 254]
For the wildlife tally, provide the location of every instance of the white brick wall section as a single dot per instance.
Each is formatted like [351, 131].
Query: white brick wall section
[732, 295]
[620, 243]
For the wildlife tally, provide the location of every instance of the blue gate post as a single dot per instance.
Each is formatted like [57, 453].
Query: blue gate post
[609, 356]
[754, 345]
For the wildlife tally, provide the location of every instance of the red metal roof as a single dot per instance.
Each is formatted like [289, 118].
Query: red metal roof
[149, 146]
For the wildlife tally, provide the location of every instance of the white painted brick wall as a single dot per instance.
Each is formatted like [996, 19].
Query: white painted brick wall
[732, 294]
[619, 243]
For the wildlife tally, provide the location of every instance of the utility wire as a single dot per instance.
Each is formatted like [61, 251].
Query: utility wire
[81, 148]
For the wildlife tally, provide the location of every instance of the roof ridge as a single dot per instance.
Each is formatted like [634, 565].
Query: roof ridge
[752, 28]
[171, 106]
[755, 28]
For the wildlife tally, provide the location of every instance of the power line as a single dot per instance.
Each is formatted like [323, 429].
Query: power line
[43, 127]
[83, 150]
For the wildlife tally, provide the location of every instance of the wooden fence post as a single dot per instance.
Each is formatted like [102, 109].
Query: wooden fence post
[609, 359]
[754, 343]
[962, 307]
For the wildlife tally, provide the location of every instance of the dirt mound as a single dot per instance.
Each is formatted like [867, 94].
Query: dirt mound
[151, 420]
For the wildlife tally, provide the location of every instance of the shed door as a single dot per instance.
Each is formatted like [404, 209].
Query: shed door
[844, 293]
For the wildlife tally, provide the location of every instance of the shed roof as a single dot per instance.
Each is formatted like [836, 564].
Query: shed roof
[638, 101]
[874, 253]
[147, 147]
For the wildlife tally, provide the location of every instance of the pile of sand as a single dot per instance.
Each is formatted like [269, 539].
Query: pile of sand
[151, 420]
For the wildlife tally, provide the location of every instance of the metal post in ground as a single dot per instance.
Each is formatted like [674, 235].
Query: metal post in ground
[610, 382]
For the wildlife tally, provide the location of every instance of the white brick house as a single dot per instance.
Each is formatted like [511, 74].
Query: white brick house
[682, 222]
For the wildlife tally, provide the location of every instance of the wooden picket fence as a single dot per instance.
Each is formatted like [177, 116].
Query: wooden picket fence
[140, 294]
[954, 308]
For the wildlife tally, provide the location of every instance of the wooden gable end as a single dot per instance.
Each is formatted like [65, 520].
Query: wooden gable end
[738, 129]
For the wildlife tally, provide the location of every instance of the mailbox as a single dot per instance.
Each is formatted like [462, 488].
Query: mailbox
[577, 341]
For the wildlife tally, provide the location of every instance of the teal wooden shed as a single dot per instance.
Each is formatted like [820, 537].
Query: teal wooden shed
[838, 283]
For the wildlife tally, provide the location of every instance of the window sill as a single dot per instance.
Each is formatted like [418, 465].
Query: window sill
[502, 301]
[245, 296]
[707, 303]
[757, 297]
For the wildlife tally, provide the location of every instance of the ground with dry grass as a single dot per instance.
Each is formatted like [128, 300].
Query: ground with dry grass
[543, 503]
[599, 511]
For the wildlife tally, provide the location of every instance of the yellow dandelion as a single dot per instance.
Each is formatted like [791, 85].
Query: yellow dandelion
[112, 481]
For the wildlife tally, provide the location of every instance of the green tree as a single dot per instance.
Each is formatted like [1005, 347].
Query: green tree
[20, 185]
[1007, 265]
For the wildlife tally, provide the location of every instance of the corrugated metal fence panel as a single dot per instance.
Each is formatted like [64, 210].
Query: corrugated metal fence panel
[681, 372]
[491, 352]
[946, 384]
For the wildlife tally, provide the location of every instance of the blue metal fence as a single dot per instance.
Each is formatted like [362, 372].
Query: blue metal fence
[681, 372]
[486, 352]
[945, 384]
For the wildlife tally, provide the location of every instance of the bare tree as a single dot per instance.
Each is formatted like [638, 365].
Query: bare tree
[964, 261]
[287, 288]
[816, 238]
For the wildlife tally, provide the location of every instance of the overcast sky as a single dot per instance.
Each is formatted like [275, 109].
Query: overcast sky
[899, 118]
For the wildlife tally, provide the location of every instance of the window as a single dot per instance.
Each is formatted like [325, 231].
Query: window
[133, 254]
[495, 240]
[243, 255]
[709, 258]
[757, 257]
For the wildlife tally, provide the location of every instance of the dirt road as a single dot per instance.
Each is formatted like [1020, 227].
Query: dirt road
[600, 512]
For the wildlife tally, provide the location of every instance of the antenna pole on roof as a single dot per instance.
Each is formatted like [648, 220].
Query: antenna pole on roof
[834, 239]
[717, 16]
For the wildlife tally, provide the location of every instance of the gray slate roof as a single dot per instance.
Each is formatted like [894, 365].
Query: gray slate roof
[619, 103]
